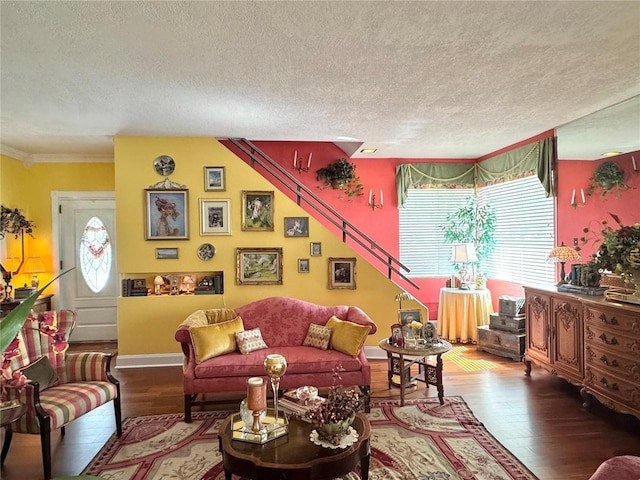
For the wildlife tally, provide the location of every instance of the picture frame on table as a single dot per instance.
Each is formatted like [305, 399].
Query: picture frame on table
[397, 335]
[342, 273]
[215, 218]
[167, 214]
[257, 211]
[214, 179]
[303, 265]
[166, 253]
[259, 266]
[296, 226]
[406, 316]
[316, 249]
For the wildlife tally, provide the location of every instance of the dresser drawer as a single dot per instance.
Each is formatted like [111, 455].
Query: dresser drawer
[604, 358]
[613, 320]
[613, 386]
[612, 340]
[501, 343]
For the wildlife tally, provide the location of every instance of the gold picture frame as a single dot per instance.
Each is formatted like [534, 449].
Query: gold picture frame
[259, 266]
[257, 211]
[342, 273]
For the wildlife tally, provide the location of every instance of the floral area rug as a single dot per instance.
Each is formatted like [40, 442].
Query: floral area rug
[421, 441]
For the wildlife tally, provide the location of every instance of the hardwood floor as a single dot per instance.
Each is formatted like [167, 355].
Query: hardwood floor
[538, 418]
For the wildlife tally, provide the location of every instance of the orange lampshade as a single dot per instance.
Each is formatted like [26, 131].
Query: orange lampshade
[33, 265]
[11, 264]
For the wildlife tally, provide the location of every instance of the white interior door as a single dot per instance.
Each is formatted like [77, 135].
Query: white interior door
[87, 243]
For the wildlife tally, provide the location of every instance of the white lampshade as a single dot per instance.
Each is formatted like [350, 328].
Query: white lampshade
[464, 253]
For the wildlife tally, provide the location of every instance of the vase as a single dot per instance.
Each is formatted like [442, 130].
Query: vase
[333, 431]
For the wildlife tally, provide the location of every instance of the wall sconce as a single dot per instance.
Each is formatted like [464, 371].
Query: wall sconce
[34, 266]
[573, 199]
[464, 253]
[10, 267]
[563, 254]
[298, 164]
[372, 200]
[633, 162]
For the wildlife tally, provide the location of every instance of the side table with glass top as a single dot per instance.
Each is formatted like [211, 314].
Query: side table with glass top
[428, 373]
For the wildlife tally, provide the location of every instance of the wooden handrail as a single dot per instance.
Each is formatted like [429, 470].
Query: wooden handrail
[304, 193]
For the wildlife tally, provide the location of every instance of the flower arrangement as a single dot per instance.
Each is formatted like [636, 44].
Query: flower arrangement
[619, 250]
[14, 222]
[339, 408]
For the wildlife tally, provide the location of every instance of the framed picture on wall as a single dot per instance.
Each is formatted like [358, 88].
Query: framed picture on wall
[166, 253]
[214, 179]
[257, 211]
[259, 266]
[342, 273]
[316, 249]
[214, 217]
[167, 214]
[296, 226]
[303, 265]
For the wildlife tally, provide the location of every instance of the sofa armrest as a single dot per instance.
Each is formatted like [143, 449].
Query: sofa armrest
[357, 315]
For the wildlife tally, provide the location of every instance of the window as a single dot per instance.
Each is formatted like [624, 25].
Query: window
[95, 254]
[524, 231]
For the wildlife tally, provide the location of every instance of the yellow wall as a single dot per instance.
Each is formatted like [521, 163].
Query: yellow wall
[29, 189]
[146, 325]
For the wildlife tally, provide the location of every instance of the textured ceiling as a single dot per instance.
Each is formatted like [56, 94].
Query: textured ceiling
[434, 79]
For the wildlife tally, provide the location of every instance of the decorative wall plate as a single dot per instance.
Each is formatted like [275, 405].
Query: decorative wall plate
[164, 165]
[206, 251]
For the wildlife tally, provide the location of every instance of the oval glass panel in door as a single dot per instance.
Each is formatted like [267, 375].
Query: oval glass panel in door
[95, 254]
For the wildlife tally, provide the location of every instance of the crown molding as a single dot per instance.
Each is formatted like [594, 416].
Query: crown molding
[30, 159]
[13, 153]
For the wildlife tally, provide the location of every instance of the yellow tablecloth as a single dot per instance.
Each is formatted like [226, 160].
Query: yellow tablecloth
[461, 312]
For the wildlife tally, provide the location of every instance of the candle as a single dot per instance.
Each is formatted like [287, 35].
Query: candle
[295, 155]
[256, 394]
[582, 192]
[309, 161]
[381, 198]
[370, 195]
[633, 161]
[573, 197]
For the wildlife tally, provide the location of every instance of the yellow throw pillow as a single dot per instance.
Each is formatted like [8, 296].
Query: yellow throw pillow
[216, 339]
[347, 337]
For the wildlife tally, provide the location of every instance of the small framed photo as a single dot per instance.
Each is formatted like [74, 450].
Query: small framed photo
[214, 217]
[342, 273]
[259, 266]
[303, 265]
[257, 211]
[316, 249]
[166, 253]
[296, 226]
[214, 179]
[405, 317]
[167, 214]
[397, 337]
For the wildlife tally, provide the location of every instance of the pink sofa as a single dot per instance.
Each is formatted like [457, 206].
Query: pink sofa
[623, 467]
[284, 323]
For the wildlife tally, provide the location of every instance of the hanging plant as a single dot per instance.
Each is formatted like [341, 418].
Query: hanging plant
[12, 221]
[341, 175]
[607, 176]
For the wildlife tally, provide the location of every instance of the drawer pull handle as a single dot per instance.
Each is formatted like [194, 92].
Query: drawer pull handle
[613, 340]
[604, 382]
[613, 321]
[605, 360]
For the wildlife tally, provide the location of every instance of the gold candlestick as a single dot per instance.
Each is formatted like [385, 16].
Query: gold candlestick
[275, 365]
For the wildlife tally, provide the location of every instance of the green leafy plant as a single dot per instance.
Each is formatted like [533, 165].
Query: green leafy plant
[607, 177]
[472, 223]
[341, 175]
[12, 221]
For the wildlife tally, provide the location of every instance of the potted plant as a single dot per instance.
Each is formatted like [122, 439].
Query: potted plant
[14, 222]
[341, 175]
[607, 176]
[472, 223]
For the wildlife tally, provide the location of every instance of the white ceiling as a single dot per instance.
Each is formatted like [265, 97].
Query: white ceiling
[420, 79]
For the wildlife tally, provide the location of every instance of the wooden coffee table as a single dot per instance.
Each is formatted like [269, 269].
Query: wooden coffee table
[294, 456]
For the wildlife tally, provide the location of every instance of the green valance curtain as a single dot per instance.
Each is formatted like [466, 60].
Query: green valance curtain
[535, 158]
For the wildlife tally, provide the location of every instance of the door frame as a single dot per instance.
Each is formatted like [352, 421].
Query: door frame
[57, 197]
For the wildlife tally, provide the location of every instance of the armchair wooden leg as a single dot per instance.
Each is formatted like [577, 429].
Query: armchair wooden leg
[5, 445]
[366, 391]
[187, 408]
[118, 412]
[45, 442]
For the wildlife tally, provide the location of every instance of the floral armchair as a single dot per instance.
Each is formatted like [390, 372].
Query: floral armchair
[59, 387]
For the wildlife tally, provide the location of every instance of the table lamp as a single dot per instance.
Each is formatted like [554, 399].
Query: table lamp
[158, 283]
[188, 282]
[34, 266]
[11, 265]
[464, 253]
[563, 254]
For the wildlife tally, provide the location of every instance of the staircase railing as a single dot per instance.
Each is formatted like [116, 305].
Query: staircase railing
[306, 195]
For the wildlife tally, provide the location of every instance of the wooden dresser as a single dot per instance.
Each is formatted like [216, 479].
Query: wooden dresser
[588, 341]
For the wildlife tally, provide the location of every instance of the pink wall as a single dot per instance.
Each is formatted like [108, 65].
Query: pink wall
[573, 174]
[382, 224]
